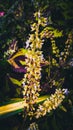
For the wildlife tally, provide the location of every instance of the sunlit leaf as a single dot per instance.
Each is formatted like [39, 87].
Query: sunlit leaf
[15, 81]
[63, 108]
[22, 62]
[42, 98]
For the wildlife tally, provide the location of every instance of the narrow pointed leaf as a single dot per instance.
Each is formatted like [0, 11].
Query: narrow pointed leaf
[15, 81]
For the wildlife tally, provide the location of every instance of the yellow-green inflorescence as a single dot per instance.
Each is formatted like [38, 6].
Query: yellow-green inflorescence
[31, 80]
[51, 103]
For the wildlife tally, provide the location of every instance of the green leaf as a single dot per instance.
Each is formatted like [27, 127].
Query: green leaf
[22, 62]
[63, 108]
[42, 98]
[15, 81]
[18, 91]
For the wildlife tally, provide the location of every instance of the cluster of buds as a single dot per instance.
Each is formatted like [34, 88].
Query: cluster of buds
[12, 48]
[52, 33]
[33, 126]
[62, 56]
[34, 57]
[66, 52]
[51, 103]
[31, 80]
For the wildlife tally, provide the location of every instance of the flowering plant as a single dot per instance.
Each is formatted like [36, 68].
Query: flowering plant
[32, 64]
